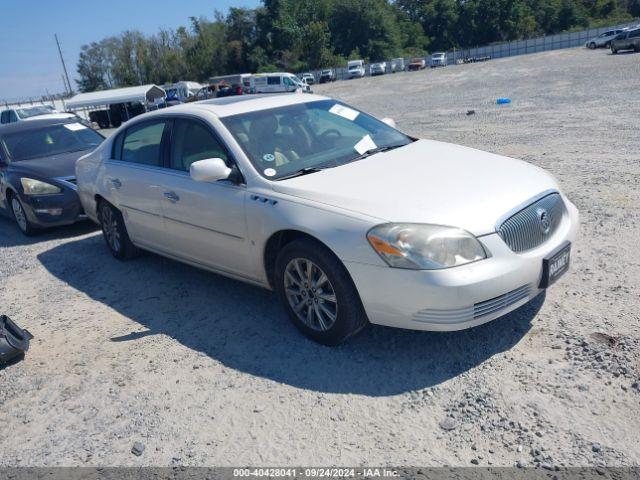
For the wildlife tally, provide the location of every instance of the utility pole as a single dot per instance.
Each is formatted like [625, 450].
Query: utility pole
[64, 67]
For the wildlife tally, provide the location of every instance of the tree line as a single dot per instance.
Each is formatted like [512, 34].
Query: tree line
[298, 35]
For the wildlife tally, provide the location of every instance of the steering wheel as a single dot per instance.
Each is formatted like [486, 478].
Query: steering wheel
[331, 131]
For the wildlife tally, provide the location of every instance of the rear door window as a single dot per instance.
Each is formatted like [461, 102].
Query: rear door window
[273, 80]
[143, 144]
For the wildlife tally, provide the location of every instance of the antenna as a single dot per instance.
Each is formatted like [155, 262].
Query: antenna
[64, 67]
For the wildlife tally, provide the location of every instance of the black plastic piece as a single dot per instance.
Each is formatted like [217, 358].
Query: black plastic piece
[14, 341]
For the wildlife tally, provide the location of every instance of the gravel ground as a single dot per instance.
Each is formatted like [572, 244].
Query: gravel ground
[201, 370]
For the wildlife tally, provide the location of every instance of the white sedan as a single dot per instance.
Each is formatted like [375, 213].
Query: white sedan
[348, 219]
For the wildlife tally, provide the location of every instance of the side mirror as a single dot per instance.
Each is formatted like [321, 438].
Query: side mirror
[389, 121]
[209, 170]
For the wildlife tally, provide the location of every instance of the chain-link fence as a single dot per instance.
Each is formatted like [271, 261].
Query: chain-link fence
[501, 50]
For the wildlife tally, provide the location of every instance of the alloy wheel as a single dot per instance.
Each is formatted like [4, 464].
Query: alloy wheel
[18, 214]
[310, 294]
[110, 228]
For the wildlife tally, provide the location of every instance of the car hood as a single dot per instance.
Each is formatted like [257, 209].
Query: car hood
[427, 182]
[62, 165]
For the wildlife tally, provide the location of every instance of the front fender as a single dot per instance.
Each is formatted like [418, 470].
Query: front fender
[343, 233]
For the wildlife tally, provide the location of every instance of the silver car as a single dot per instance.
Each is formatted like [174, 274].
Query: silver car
[379, 68]
[603, 40]
[347, 218]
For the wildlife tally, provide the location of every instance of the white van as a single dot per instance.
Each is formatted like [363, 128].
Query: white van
[277, 83]
[438, 59]
[356, 68]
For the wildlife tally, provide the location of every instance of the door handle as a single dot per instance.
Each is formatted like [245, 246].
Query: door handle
[116, 183]
[172, 197]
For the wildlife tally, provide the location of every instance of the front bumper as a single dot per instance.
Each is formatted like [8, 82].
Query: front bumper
[460, 297]
[53, 210]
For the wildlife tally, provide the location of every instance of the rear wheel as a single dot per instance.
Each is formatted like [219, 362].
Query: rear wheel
[115, 232]
[592, 46]
[20, 216]
[614, 50]
[318, 293]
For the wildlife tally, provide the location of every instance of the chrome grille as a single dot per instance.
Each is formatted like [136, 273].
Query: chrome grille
[500, 303]
[526, 230]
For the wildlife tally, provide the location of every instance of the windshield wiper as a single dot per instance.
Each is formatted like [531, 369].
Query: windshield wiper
[304, 171]
[373, 151]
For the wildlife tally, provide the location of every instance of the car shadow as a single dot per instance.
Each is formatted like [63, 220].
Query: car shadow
[11, 236]
[245, 328]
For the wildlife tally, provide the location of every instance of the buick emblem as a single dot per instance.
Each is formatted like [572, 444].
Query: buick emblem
[545, 221]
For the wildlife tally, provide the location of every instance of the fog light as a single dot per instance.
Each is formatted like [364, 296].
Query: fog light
[54, 212]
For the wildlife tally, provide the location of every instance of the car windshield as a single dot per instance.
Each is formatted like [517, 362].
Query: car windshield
[50, 140]
[296, 139]
[33, 111]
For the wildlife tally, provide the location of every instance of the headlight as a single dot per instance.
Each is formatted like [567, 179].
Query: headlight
[36, 187]
[424, 247]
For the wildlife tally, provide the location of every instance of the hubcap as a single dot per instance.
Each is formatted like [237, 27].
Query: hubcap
[110, 229]
[310, 294]
[19, 214]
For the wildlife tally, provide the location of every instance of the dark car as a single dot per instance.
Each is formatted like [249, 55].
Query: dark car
[627, 40]
[37, 171]
[229, 90]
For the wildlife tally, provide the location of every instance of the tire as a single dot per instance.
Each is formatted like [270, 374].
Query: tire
[115, 233]
[102, 124]
[614, 51]
[20, 217]
[607, 45]
[336, 294]
[592, 46]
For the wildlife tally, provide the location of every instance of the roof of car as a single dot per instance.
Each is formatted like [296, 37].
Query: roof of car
[227, 106]
[34, 124]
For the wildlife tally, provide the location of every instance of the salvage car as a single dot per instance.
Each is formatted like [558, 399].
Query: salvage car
[347, 218]
[417, 64]
[37, 171]
[379, 68]
[327, 75]
[627, 40]
[35, 112]
[603, 40]
[308, 78]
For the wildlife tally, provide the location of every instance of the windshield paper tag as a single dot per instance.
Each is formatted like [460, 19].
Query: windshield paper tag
[74, 126]
[365, 145]
[345, 112]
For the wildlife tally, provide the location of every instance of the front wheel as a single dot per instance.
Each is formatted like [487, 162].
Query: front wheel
[614, 51]
[115, 232]
[318, 293]
[592, 46]
[20, 216]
